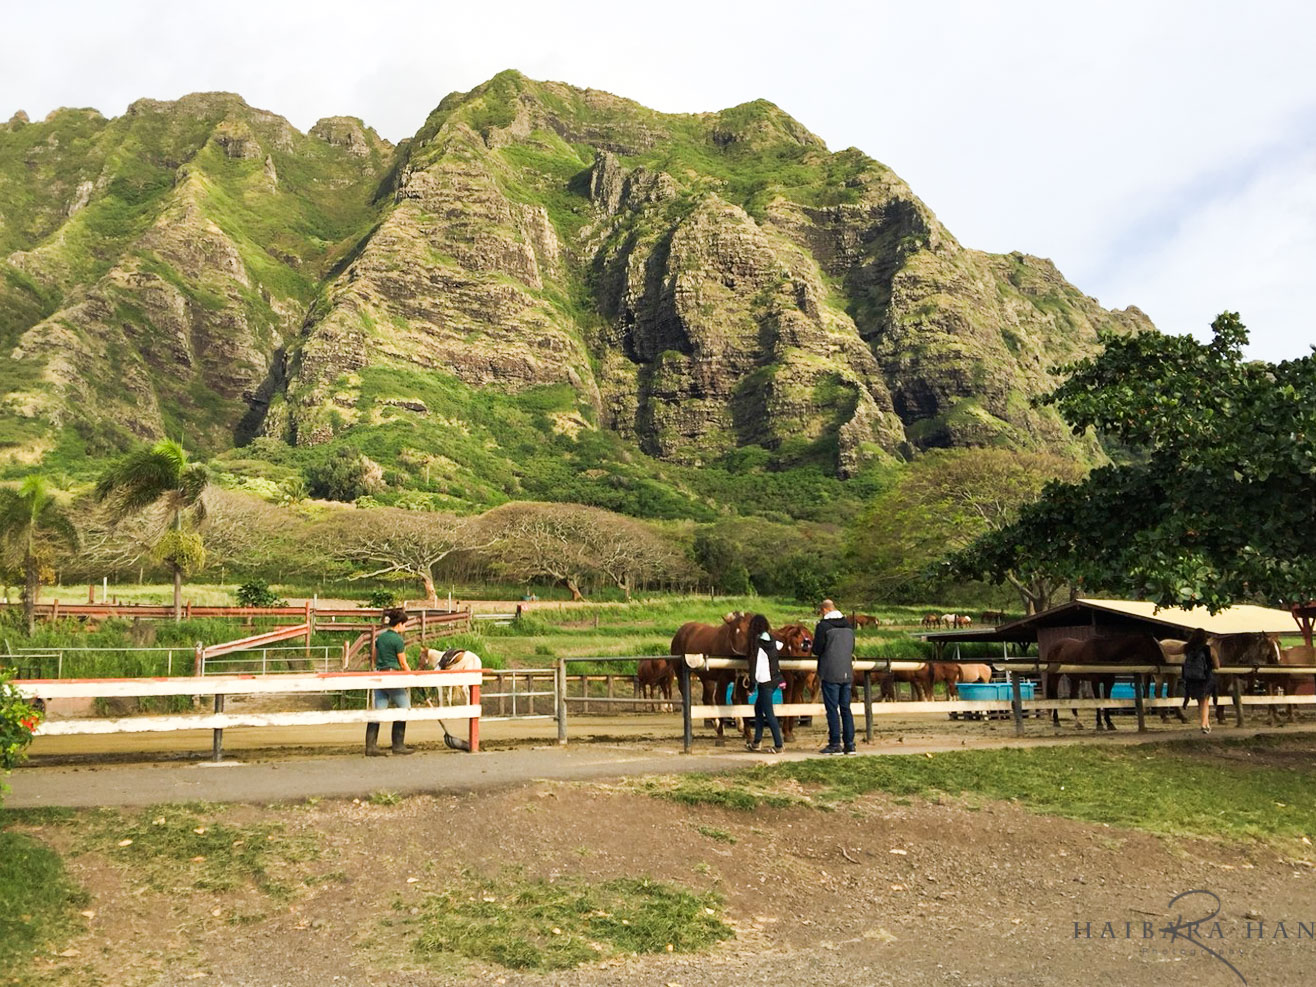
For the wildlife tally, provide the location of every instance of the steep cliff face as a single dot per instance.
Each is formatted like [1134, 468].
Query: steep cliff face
[154, 264]
[703, 282]
[689, 284]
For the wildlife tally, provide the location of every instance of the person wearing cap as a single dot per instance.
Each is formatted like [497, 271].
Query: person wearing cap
[390, 656]
[833, 644]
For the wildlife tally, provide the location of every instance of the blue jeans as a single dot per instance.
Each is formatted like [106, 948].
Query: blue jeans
[840, 722]
[384, 698]
[764, 713]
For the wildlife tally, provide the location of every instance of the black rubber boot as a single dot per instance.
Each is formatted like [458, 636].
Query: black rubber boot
[372, 741]
[399, 736]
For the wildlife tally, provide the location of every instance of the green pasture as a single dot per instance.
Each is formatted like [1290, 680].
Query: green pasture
[1259, 789]
[537, 638]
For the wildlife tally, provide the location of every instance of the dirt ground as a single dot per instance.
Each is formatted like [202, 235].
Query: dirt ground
[882, 891]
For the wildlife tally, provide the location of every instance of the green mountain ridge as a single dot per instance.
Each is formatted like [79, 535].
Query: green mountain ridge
[548, 291]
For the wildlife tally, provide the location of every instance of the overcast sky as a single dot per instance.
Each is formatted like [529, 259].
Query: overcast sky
[1163, 154]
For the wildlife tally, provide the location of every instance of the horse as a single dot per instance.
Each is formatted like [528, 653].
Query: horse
[797, 643]
[932, 620]
[1301, 654]
[1126, 649]
[452, 660]
[919, 680]
[456, 660]
[963, 620]
[948, 619]
[730, 639]
[858, 620]
[993, 617]
[946, 672]
[1168, 680]
[653, 677]
[1243, 649]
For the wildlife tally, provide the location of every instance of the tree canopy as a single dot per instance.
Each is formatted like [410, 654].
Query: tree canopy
[1217, 497]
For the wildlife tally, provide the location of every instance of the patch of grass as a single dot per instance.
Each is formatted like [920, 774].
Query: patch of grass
[1260, 789]
[38, 902]
[177, 848]
[736, 790]
[382, 797]
[713, 833]
[555, 925]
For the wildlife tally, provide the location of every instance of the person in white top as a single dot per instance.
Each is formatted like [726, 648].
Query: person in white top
[765, 671]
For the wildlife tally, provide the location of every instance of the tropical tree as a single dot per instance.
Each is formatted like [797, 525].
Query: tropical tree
[32, 525]
[380, 541]
[162, 474]
[1218, 493]
[942, 502]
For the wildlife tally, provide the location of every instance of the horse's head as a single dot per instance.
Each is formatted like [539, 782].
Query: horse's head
[796, 639]
[738, 623]
[428, 660]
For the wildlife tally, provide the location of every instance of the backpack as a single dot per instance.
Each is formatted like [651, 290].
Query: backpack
[1196, 665]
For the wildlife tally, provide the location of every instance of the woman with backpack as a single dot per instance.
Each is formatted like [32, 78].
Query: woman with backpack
[1199, 675]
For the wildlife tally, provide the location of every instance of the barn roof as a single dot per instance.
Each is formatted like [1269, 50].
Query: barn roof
[1240, 619]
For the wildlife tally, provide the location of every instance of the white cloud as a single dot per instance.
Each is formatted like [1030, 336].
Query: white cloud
[1128, 141]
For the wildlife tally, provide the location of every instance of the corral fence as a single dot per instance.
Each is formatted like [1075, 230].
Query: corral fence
[546, 693]
[1015, 668]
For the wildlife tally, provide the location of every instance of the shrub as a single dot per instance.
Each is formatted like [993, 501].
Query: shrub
[382, 598]
[258, 594]
[18, 718]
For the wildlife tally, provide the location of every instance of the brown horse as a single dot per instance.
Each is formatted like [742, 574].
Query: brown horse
[730, 639]
[919, 680]
[932, 620]
[1125, 649]
[797, 642]
[653, 678]
[1167, 680]
[858, 620]
[1243, 649]
[1291, 684]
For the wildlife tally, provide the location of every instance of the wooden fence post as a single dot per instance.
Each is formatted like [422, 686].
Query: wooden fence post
[686, 725]
[1017, 705]
[1140, 687]
[560, 694]
[868, 707]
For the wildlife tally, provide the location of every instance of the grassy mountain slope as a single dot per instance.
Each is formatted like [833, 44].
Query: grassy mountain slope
[548, 292]
[153, 264]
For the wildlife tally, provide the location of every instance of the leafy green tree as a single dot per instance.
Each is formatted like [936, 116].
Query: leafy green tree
[345, 475]
[1219, 498]
[941, 503]
[162, 474]
[32, 525]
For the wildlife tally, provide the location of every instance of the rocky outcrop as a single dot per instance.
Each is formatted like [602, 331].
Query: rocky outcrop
[694, 283]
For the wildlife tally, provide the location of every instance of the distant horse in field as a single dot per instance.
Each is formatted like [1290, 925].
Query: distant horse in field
[858, 620]
[730, 639]
[1126, 649]
[932, 620]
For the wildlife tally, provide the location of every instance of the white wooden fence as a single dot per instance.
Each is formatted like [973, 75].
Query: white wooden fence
[221, 686]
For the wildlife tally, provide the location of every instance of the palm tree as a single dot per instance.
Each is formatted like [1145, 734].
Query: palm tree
[31, 522]
[161, 474]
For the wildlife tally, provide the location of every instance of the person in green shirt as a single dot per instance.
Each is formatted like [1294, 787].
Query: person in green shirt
[390, 656]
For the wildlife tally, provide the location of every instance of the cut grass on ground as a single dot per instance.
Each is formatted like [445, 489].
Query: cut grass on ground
[38, 902]
[542, 925]
[1261, 788]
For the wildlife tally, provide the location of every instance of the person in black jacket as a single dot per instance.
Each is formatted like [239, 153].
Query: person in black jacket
[765, 673]
[833, 643]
